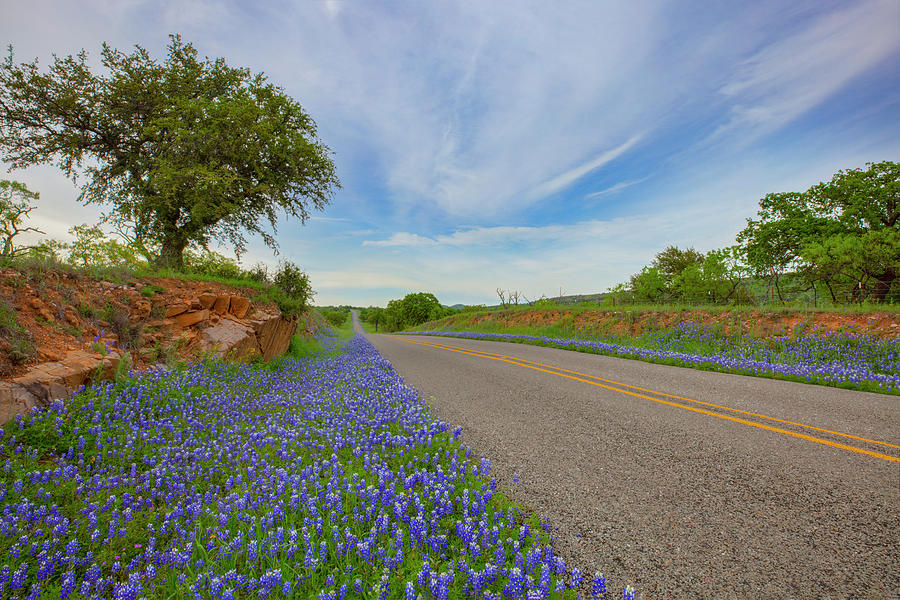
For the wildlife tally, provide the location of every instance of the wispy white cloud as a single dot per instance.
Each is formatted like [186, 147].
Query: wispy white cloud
[564, 180]
[330, 219]
[792, 75]
[615, 189]
[402, 239]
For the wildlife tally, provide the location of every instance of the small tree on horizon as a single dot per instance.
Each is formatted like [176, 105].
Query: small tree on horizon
[15, 204]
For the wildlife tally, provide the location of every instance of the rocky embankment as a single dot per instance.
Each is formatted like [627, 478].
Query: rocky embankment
[178, 321]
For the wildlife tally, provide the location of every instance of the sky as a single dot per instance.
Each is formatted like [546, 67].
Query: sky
[542, 147]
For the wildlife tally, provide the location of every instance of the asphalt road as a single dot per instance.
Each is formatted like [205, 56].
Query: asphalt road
[676, 502]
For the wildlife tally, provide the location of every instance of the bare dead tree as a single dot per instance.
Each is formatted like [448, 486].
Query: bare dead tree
[502, 295]
[513, 296]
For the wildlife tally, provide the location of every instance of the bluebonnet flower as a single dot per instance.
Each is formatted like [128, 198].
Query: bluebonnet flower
[234, 458]
[830, 359]
[598, 585]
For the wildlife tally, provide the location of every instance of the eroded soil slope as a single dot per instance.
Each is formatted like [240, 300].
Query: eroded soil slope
[756, 323]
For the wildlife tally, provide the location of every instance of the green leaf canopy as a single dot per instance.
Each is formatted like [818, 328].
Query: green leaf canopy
[185, 151]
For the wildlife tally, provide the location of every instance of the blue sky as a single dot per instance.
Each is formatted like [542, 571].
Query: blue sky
[531, 146]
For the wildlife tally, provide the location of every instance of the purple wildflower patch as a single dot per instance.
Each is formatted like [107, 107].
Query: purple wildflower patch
[298, 479]
[854, 361]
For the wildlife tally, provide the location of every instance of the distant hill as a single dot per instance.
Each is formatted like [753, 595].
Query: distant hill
[564, 300]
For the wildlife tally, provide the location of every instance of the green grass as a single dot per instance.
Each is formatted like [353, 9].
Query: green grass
[327, 343]
[344, 331]
[21, 346]
[369, 327]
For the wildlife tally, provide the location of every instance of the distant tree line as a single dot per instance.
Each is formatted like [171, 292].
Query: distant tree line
[413, 309]
[838, 241]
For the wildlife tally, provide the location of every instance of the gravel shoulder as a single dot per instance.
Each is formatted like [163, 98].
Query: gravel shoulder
[677, 504]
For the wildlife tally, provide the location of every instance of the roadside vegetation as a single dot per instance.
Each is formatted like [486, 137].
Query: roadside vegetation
[323, 477]
[834, 247]
[863, 363]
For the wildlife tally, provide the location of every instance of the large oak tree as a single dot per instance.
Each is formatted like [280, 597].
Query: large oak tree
[844, 233]
[185, 151]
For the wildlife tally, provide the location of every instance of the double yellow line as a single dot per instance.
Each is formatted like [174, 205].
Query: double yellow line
[596, 381]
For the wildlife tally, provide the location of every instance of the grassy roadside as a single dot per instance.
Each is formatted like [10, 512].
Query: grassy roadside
[369, 328]
[849, 362]
[775, 309]
[327, 342]
[254, 284]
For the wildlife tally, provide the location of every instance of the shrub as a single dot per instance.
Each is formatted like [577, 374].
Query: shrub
[258, 273]
[212, 264]
[336, 317]
[296, 291]
[120, 323]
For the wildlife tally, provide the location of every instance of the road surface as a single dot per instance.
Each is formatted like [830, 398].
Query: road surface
[686, 484]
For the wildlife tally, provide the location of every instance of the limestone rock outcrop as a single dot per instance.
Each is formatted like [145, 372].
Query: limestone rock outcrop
[225, 326]
[54, 380]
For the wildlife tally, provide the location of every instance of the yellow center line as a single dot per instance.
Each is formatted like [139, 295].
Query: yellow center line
[514, 361]
[634, 387]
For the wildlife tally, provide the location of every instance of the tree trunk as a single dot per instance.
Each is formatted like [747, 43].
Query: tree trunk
[831, 291]
[171, 256]
[883, 286]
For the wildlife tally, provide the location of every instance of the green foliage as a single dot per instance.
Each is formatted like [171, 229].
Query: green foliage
[414, 309]
[151, 290]
[49, 251]
[335, 317]
[420, 307]
[686, 276]
[185, 151]
[841, 234]
[373, 315]
[650, 285]
[672, 261]
[91, 248]
[15, 204]
[841, 237]
[295, 291]
[212, 263]
[480, 307]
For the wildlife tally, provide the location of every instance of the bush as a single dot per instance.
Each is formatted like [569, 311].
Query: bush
[127, 332]
[258, 273]
[336, 317]
[212, 264]
[296, 291]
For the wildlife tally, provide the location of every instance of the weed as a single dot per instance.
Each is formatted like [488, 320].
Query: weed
[86, 310]
[150, 290]
[123, 368]
[21, 350]
[127, 332]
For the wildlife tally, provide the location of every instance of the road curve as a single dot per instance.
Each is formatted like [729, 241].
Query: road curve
[671, 487]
